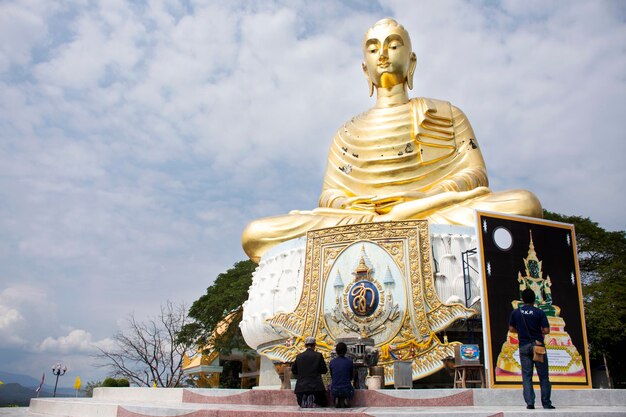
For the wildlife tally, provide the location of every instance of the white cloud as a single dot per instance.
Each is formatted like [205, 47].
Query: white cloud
[10, 319]
[76, 341]
[20, 305]
[20, 29]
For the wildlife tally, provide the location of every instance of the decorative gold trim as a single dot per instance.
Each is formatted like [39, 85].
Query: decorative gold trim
[408, 244]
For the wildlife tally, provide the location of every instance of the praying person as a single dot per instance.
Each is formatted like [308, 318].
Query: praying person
[342, 372]
[308, 369]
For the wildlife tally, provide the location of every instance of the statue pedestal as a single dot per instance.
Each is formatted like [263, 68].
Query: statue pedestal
[375, 280]
[268, 377]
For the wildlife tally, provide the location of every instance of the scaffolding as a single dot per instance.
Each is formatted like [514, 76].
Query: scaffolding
[467, 283]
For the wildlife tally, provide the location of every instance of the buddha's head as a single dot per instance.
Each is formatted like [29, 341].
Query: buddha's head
[388, 57]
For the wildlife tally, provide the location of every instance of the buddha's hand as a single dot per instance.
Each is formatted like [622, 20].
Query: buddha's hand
[384, 203]
[361, 203]
[421, 206]
[399, 196]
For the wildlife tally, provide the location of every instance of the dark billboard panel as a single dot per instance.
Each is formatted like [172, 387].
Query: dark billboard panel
[519, 253]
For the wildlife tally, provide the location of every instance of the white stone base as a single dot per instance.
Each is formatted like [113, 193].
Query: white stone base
[267, 374]
[277, 285]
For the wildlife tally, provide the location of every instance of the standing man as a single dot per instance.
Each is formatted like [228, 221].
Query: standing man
[342, 373]
[308, 369]
[531, 324]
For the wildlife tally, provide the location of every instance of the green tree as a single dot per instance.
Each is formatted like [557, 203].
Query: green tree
[598, 249]
[91, 385]
[109, 382]
[225, 296]
[123, 382]
[602, 262]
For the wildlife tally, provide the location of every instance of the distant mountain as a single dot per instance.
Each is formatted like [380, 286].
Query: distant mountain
[23, 380]
[15, 394]
[30, 383]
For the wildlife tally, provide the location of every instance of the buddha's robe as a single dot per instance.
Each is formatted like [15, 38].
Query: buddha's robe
[426, 147]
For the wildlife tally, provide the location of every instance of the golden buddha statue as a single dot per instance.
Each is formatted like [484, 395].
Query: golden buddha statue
[403, 159]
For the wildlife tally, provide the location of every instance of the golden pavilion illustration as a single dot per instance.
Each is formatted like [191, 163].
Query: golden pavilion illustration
[565, 362]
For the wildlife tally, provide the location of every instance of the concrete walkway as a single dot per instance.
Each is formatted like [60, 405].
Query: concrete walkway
[283, 411]
[183, 402]
[17, 412]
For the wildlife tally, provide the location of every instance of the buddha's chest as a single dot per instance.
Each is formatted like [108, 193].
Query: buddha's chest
[384, 142]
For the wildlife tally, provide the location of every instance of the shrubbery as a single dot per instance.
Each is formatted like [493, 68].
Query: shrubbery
[112, 382]
[123, 382]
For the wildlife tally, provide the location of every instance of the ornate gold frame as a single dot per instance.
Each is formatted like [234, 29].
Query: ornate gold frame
[408, 244]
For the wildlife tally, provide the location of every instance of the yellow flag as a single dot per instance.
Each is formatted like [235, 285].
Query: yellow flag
[154, 385]
[77, 383]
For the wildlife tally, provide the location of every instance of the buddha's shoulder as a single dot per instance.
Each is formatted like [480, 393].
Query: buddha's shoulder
[442, 108]
[431, 102]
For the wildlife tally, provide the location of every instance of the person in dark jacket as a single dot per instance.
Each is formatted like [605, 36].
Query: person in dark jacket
[531, 324]
[342, 372]
[308, 369]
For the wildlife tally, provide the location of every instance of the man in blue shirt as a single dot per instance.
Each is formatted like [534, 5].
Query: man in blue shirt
[531, 324]
[342, 371]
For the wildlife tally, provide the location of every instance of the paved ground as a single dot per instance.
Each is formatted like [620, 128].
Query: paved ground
[513, 411]
[18, 412]
[15, 411]
[138, 402]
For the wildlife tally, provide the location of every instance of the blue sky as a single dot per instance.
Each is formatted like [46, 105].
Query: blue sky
[137, 139]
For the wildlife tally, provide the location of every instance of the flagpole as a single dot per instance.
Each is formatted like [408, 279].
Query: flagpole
[38, 390]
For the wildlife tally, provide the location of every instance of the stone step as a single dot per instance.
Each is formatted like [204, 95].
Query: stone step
[365, 398]
[362, 398]
[74, 408]
[155, 402]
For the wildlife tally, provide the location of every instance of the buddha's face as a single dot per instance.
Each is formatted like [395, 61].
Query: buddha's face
[388, 55]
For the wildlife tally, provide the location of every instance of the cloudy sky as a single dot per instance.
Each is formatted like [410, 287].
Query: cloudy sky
[137, 139]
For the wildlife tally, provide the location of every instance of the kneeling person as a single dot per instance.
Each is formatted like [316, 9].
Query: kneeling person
[308, 369]
[342, 371]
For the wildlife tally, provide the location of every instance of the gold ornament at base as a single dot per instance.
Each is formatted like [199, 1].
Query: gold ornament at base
[391, 297]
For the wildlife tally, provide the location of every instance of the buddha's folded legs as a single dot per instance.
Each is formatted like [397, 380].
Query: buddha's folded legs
[263, 234]
[515, 202]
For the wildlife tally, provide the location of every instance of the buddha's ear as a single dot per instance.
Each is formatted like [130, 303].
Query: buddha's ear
[367, 76]
[411, 71]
